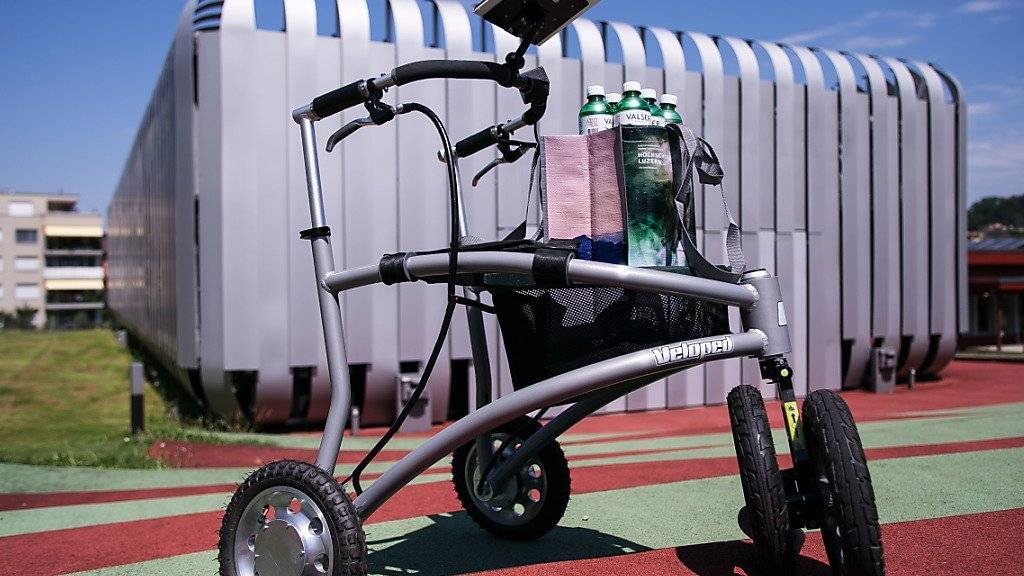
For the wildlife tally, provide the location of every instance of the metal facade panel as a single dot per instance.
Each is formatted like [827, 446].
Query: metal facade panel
[470, 107]
[328, 76]
[186, 288]
[821, 159]
[885, 206]
[942, 219]
[462, 117]
[512, 181]
[422, 204]
[370, 226]
[634, 59]
[786, 127]
[754, 205]
[855, 210]
[913, 220]
[306, 348]
[720, 376]
[271, 196]
[685, 388]
[960, 103]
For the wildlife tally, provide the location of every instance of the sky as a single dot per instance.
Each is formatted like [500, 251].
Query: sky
[76, 75]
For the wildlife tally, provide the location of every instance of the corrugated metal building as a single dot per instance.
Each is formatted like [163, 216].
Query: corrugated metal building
[847, 170]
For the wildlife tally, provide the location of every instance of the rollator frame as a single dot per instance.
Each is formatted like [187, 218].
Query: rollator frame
[758, 297]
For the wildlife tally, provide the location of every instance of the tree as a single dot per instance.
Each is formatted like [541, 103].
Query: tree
[1008, 211]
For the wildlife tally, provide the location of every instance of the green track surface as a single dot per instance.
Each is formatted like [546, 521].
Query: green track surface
[689, 512]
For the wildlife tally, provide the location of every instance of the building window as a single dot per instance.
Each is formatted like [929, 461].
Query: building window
[26, 236]
[20, 208]
[26, 263]
[26, 291]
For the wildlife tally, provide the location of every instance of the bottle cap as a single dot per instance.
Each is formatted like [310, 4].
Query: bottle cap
[649, 94]
[595, 90]
[614, 97]
[631, 86]
[670, 99]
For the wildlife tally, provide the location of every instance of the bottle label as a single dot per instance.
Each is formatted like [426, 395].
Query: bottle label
[658, 121]
[593, 123]
[635, 117]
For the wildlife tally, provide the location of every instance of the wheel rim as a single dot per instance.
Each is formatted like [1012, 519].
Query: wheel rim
[282, 532]
[522, 497]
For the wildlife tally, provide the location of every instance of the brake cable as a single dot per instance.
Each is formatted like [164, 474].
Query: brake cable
[453, 260]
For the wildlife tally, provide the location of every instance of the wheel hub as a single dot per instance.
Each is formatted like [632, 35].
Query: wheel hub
[282, 532]
[519, 498]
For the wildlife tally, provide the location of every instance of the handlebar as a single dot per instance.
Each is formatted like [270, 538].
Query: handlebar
[362, 91]
[480, 141]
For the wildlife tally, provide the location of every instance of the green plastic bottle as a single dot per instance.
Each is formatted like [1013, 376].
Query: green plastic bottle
[632, 110]
[613, 99]
[595, 115]
[651, 97]
[668, 108]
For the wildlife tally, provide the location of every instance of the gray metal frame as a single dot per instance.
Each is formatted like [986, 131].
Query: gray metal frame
[758, 297]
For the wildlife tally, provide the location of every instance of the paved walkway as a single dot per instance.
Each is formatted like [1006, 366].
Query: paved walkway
[653, 493]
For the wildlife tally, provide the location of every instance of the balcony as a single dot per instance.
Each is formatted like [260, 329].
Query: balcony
[73, 273]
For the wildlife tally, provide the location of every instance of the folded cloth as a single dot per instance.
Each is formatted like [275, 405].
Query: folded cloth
[582, 192]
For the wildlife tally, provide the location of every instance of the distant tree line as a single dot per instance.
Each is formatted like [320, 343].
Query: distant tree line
[1007, 211]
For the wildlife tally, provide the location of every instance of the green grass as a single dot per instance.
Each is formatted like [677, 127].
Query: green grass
[64, 401]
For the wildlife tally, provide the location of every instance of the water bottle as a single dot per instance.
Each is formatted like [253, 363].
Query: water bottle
[632, 110]
[651, 97]
[595, 115]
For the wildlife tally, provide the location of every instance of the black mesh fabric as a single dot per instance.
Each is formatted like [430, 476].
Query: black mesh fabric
[550, 331]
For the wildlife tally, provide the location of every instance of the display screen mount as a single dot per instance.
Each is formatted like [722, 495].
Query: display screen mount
[534, 21]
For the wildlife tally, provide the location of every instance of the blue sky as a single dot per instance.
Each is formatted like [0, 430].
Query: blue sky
[77, 74]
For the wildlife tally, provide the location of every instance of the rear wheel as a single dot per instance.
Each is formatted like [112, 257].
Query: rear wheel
[847, 512]
[765, 517]
[533, 499]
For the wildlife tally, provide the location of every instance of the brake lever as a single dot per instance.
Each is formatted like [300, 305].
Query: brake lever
[380, 113]
[347, 130]
[509, 155]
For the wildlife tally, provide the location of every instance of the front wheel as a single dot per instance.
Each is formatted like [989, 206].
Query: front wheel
[765, 517]
[291, 517]
[531, 501]
[847, 512]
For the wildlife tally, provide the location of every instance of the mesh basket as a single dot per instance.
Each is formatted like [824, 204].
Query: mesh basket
[550, 331]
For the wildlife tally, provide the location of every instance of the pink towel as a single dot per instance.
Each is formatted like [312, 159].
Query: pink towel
[583, 196]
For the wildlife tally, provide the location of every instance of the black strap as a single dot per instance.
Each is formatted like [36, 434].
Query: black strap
[551, 267]
[314, 233]
[705, 162]
[393, 269]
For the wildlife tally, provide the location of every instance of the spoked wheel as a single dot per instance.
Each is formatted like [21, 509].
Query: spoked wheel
[765, 518]
[533, 499]
[847, 513]
[291, 518]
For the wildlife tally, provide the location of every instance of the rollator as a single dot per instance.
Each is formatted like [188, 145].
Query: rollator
[578, 333]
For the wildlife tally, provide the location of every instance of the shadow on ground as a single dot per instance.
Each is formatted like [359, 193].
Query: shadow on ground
[453, 544]
[736, 557]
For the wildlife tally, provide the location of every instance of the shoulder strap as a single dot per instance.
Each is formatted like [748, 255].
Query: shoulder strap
[698, 156]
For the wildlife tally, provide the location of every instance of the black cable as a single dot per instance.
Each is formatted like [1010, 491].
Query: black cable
[453, 262]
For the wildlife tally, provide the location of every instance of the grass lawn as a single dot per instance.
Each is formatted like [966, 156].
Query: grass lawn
[64, 401]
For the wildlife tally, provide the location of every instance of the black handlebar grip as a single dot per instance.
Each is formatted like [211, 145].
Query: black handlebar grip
[340, 99]
[476, 142]
[454, 69]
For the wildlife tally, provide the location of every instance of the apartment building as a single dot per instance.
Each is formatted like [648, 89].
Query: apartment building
[51, 259]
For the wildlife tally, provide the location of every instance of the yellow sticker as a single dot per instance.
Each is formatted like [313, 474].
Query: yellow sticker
[792, 420]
